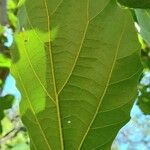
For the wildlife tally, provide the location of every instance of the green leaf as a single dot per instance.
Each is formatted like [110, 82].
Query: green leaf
[144, 99]
[5, 64]
[144, 4]
[4, 61]
[11, 12]
[77, 66]
[143, 17]
[1, 29]
[5, 103]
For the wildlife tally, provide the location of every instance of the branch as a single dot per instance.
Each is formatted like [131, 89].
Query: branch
[3, 12]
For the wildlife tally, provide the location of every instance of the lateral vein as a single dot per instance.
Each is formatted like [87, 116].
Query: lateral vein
[106, 87]
[32, 109]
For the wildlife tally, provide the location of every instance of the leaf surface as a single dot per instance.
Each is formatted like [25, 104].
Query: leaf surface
[77, 65]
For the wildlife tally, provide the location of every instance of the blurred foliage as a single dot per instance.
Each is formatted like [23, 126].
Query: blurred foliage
[1, 29]
[143, 20]
[5, 59]
[145, 53]
[13, 134]
[144, 98]
[12, 12]
[5, 103]
[135, 3]
[5, 62]
[144, 85]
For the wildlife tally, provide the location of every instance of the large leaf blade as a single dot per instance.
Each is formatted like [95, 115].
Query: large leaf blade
[72, 75]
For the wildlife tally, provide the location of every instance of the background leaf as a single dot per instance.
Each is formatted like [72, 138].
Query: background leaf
[143, 17]
[135, 3]
[5, 103]
[144, 99]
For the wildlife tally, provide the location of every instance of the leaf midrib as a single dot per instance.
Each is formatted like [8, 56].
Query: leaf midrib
[54, 82]
[54, 78]
[52, 67]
